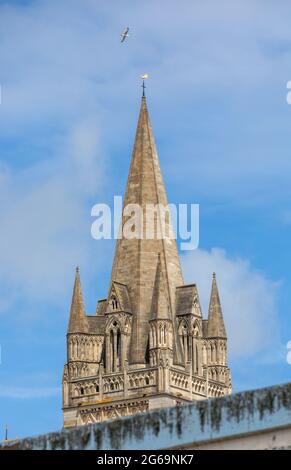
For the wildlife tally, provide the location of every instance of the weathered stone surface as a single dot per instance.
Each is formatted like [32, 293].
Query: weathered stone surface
[259, 419]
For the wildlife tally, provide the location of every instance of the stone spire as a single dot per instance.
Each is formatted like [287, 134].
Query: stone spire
[160, 303]
[135, 259]
[215, 325]
[78, 321]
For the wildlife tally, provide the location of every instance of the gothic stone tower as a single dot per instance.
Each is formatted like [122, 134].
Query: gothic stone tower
[147, 346]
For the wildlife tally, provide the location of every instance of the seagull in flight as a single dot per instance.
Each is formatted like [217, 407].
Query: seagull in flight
[125, 34]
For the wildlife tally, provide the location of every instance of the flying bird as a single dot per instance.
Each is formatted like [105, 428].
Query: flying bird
[124, 35]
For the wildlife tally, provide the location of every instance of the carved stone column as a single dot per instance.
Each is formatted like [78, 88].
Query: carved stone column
[125, 379]
[114, 352]
[108, 362]
[101, 370]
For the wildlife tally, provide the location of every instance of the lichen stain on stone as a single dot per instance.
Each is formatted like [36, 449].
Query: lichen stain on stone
[216, 413]
[115, 434]
[85, 438]
[284, 397]
[262, 401]
[179, 421]
[154, 424]
[212, 412]
[128, 427]
[202, 407]
[39, 442]
[236, 407]
[77, 437]
[168, 419]
[137, 426]
[57, 441]
[26, 444]
[266, 403]
[98, 438]
[271, 399]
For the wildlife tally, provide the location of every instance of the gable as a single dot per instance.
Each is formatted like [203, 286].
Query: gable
[118, 299]
[187, 300]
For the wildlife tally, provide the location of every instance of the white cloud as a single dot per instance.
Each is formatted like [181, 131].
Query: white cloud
[248, 299]
[45, 219]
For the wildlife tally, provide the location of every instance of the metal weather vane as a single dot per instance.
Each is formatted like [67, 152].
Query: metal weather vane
[144, 77]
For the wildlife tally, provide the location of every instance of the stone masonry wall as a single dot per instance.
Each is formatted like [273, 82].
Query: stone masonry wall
[252, 419]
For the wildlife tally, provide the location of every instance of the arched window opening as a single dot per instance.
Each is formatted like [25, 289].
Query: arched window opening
[197, 359]
[81, 391]
[112, 350]
[147, 353]
[118, 351]
[184, 341]
[114, 302]
[114, 355]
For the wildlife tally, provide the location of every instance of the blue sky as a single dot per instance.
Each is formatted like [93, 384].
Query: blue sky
[70, 101]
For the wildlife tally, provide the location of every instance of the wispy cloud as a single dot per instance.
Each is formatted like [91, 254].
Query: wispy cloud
[45, 219]
[248, 300]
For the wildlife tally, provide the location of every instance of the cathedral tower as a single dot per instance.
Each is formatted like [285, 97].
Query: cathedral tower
[147, 345]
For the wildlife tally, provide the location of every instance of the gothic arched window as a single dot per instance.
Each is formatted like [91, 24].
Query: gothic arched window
[183, 332]
[114, 356]
[114, 303]
[197, 359]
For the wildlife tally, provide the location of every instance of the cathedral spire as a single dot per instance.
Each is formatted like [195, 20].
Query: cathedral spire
[135, 258]
[78, 321]
[215, 325]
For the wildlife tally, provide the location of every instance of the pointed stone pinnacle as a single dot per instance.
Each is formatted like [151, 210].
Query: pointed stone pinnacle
[78, 321]
[215, 326]
[135, 260]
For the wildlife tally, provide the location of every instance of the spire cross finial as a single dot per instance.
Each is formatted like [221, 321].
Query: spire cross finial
[144, 77]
